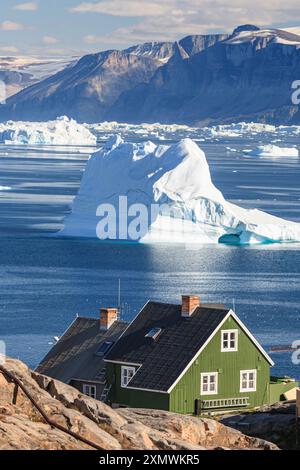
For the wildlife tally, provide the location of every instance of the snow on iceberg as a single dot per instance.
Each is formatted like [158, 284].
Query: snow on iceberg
[174, 180]
[62, 131]
[273, 151]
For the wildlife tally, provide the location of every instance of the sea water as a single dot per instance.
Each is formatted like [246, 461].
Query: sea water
[46, 281]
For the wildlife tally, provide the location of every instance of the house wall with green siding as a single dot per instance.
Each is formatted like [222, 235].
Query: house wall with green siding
[227, 364]
[133, 398]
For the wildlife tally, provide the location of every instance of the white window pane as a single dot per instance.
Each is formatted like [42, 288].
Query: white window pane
[229, 340]
[248, 381]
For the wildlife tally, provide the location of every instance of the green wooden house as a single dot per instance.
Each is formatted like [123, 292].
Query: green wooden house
[188, 358]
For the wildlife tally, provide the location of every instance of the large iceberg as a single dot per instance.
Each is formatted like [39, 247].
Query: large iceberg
[167, 193]
[62, 131]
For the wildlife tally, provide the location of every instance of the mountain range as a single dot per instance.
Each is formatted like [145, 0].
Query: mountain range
[199, 80]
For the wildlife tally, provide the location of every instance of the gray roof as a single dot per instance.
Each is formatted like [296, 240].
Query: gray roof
[74, 356]
[164, 359]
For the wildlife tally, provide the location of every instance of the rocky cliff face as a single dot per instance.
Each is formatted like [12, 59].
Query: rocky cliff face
[14, 81]
[84, 91]
[23, 427]
[246, 77]
[88, 90]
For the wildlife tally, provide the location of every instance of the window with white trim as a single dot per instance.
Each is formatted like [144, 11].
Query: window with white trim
[248, 380]
[90, 390]
[209, 383]
[229, 340]
[126, 375]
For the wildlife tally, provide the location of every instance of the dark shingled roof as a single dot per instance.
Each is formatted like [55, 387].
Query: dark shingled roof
[163, 360]
[74, 356]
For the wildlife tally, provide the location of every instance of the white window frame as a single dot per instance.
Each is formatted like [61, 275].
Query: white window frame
[90, 390]
[209, 374]
[229, 332]
[124, 375]
[248, 389]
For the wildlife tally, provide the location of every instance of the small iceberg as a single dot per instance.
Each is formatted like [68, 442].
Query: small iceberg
[157, 193]
[273, 151]
[62, 131]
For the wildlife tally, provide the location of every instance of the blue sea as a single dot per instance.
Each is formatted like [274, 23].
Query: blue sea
[46, 281]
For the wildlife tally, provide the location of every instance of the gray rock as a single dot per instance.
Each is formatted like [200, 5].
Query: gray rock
[23, 427]
[275, 423]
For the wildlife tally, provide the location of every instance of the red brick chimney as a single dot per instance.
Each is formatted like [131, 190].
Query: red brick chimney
[108, 316]
[189, 304]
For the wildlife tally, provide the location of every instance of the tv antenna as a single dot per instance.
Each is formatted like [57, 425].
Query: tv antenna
[119, 297]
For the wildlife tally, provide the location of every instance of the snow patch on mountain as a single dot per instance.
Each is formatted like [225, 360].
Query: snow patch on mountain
[62, 131]
[161, 51]
[176, 181]
[275, 35]
[293, 30]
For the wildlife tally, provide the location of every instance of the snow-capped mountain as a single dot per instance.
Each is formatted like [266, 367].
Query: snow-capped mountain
[84, 91]
[261, 37]
[87, 90]
[246, 77]
[19, 72]
[149, 193]
[202, 79]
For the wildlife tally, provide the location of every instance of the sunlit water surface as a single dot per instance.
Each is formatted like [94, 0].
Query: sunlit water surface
[46, 281]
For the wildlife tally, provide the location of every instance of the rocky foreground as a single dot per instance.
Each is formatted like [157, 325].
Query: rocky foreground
[275, 423]
[22, 425]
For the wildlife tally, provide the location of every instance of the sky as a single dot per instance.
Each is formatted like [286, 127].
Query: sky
[72, 27]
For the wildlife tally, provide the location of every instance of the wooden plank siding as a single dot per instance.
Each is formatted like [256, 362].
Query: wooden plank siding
[228, 365]
[133, 398]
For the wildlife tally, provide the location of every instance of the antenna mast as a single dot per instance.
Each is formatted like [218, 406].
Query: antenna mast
[119, 297]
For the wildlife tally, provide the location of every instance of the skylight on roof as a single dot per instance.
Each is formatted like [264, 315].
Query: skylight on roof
[153, 333]
[104, 348]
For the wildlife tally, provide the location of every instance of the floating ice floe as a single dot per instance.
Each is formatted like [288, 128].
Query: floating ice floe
[273, 151]
[168, 193]
[65, 131]
[62, 131]
[177, 131]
